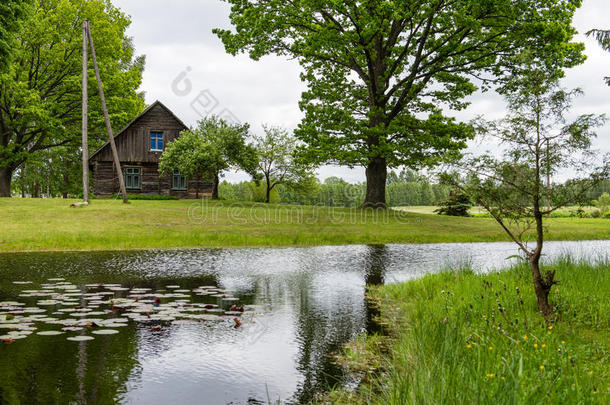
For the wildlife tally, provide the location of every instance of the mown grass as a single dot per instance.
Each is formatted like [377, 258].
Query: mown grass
[461, 338]
[50, 224]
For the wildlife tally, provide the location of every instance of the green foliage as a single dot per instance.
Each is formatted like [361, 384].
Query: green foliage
[12, 14]
[377, 72]
[42, 84]
[457, 205]
[276, 162]
[460, 337]
[603, 203]
[208, 150]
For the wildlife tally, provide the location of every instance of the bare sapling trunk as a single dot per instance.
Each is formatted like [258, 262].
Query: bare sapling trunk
[542, 283]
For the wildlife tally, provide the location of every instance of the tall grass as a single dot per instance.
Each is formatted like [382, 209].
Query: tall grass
[461, 338]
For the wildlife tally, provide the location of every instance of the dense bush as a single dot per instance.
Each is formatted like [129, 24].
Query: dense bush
[457, 205]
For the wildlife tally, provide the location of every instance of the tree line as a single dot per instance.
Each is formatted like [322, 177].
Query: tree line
[406, 188]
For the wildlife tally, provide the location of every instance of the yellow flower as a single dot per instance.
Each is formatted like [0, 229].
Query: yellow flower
[541, 367]
[590, 372]
[563, 342]
[502, 378]
[536, 345]
[490, 375]
[548, 333]
[543, 346]
[524, 337]
[469, 346]
[491, 348]
[550, 327]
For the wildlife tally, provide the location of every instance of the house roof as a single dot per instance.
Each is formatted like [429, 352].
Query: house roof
[122, 131]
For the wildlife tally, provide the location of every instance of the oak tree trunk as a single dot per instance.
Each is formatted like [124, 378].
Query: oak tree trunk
[376, 175]
[268, 194]
[216, 184]
[6, 175]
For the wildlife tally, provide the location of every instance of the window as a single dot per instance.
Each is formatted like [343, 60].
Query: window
[156, 141]
[133, 178]
[178, 181]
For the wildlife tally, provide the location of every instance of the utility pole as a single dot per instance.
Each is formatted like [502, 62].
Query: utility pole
[115, 155]
[548, 178]
[85, 123]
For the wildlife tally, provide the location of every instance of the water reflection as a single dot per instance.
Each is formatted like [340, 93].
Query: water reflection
[377, 258]
[309, 303]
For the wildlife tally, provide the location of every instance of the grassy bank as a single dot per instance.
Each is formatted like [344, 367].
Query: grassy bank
[50, 224]
[457, 337]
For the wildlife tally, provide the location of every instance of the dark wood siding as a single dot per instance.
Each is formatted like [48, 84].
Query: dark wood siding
[133, 146]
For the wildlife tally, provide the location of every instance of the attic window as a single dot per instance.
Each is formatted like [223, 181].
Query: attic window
[156, 141]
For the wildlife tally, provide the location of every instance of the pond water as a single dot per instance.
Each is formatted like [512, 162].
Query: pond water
[302, 305]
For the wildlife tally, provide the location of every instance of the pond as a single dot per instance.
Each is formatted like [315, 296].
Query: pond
[301, 306]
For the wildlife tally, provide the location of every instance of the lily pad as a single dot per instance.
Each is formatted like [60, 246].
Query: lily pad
[82, 338]
[105, 332]
[50, 333]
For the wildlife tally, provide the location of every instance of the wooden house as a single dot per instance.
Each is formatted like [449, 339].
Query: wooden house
[139, 146]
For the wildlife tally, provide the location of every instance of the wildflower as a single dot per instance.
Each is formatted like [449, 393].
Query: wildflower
[489, 375]
[491, 348]
[536, 345]
[541, 367]
[524, 337]
[469, 346]
[548, 333]
[590, 372]
[563, 342]
[550, 327]
[502, 378]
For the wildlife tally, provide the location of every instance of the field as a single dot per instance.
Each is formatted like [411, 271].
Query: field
[457, 337]
[51, 224]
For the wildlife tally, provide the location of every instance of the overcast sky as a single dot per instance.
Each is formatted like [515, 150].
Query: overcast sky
[188, 70]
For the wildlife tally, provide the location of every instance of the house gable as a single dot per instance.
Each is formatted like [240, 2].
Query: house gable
[133, 141]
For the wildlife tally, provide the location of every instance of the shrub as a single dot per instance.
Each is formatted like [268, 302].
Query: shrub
[457, 205]
[603, 203]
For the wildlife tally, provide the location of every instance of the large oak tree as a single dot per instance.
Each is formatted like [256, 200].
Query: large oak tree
[379, 72]
[40, 91]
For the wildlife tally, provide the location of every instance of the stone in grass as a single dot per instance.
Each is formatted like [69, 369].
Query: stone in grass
[82, 338]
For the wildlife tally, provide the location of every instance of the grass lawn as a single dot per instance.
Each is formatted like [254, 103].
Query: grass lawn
[461, 338]
[50, 224]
